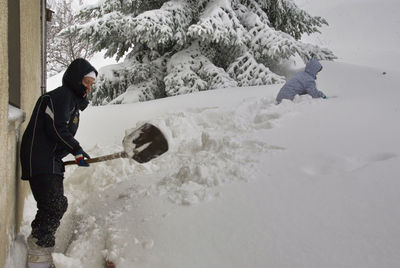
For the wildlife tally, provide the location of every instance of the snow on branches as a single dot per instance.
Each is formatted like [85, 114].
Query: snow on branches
[287, 17]
[248, 72]
[182, 46]
[190, 71]
[141, 75]
[164, 27]
[218, 24]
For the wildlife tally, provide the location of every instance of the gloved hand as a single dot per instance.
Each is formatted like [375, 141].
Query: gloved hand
[80, 156]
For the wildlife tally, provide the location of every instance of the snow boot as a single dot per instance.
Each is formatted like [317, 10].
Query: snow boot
[38, 257]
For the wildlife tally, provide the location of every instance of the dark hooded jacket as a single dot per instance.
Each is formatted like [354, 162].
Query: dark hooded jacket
[302, 83]
[50, 133]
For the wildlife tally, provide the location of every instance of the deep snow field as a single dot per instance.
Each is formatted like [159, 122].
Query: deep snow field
[247, 183]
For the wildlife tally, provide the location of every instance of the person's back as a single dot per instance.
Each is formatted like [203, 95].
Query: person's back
[302, 83]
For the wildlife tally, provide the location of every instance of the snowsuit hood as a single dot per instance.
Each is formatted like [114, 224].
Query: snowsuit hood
[74, 74]
[313, 67]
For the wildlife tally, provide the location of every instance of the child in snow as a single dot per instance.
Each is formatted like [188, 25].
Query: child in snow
[302, 83]
[48, 138]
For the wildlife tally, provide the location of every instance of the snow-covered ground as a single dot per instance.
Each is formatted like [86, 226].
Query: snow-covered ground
[247, 183]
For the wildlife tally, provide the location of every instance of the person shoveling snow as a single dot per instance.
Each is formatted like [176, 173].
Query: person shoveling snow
[49, 137]
[302, 83]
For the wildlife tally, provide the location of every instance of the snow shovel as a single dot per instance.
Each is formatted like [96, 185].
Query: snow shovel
[142, 144]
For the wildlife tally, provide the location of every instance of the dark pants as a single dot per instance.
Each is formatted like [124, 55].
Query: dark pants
[48, 191]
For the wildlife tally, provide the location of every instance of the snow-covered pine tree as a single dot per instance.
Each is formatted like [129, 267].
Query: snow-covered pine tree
[181, 46]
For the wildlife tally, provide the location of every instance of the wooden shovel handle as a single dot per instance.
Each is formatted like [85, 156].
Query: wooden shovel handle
[100, 158]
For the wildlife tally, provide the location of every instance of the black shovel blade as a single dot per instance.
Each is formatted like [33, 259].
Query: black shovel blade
[145, 143]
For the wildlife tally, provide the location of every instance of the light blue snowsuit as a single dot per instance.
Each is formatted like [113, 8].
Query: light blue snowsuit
[302, 83]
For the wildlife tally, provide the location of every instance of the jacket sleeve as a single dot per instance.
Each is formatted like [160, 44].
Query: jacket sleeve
[311, 88]
[57, 116]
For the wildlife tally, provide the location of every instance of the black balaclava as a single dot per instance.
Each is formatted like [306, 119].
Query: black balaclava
[74, 74]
